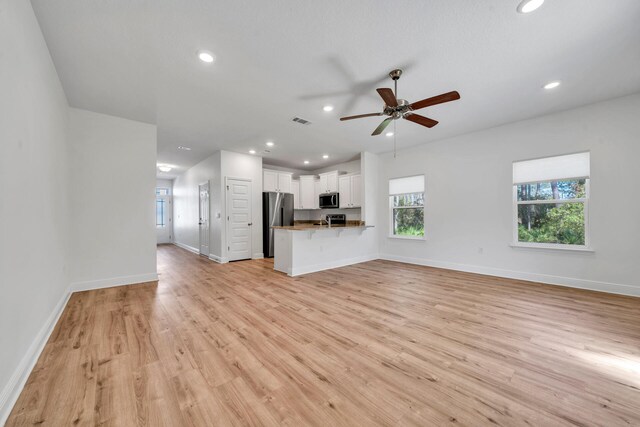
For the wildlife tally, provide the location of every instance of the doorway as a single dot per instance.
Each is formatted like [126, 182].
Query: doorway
[203, 223]
[239, 219]
[164, 210]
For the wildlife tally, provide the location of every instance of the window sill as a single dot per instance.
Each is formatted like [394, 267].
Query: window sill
[552, 247]
[407, 238]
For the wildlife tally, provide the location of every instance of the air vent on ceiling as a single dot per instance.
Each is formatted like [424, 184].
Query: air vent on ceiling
[301, 121]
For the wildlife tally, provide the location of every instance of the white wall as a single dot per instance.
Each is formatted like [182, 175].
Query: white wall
[237, 165]
[186, 198]
[370, 174]
[165, 183]
[34, 203]
[469, 198]
[215, 169]
[113, 180]
[346, 167]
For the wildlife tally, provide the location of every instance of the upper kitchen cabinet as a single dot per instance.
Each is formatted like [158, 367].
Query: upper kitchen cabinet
[277, 181]
[307, 192]
[316, 193]
[295, 189]
[329, 182]
[350, 187]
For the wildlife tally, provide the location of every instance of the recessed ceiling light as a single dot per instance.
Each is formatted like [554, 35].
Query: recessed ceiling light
[252, 151]
[306, 162]
[389, 133]
[182, 147]
[552, 85]
[527, 6]
[325, 156]
[164, 168]
[270, 144]
[328, 108]
[206, 56]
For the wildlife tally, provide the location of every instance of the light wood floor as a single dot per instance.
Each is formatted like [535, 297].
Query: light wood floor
[378, 343]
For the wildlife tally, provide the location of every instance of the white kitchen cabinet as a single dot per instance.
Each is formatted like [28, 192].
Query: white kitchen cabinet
[356, 191]
[307, 192]
[276, 181]
[344, 188]
[295, 190]
[329, 182]
[350, 188]
[316, 193]
[269, 180]
[284, 182]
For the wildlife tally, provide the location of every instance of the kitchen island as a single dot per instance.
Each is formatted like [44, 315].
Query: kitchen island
[305, 248]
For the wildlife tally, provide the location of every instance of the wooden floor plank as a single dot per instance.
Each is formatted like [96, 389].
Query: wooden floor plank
[378, 343]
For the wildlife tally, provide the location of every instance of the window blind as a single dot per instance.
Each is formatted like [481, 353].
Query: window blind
[409, 184]
[552, 168]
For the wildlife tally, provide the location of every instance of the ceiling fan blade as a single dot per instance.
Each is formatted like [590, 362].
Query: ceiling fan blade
[445, 97]
[382, 126]
[388, 97]
[421, 120]
[360, 116]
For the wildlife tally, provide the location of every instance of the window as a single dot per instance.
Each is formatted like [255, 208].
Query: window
[161, 206]
[406, 207]
[160, 213]
[551, 197]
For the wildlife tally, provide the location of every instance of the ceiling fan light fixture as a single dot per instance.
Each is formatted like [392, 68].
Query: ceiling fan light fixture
[389, 134]
[252, 151]
[270, 143]
[528, 6]
[306, 162]
[327, 108]
[325, 156]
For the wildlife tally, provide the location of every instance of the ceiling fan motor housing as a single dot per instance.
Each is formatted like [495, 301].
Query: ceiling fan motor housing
[399, 111]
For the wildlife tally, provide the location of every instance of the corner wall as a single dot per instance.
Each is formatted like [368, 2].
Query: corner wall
[34, 201]
[113, 180]
[186, 201]
[468, 212]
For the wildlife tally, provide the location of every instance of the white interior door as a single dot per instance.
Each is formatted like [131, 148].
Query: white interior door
[239, 222]
[204, 218]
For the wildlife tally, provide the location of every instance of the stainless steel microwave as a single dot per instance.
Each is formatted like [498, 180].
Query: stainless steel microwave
[329, 201]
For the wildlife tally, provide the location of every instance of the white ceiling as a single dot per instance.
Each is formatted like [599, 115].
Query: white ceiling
[283, 58]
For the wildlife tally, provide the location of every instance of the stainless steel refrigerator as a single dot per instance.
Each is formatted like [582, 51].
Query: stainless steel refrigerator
[277, 209]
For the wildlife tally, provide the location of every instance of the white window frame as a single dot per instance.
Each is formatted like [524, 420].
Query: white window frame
[560, 246]
[424, 211]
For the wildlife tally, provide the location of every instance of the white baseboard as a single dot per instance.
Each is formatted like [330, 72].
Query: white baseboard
[218, 259]
[330, 264]
[258, 256]
[592, 285]
[187, 247]
[113, 281]
[13, 388]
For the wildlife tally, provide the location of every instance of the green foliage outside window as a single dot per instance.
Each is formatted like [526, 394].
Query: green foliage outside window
[560, 221]
[408, 214]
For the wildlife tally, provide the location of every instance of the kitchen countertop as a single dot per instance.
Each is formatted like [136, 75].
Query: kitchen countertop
[307, 226]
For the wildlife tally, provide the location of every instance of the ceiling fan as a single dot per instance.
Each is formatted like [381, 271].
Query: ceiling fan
[396, 108]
